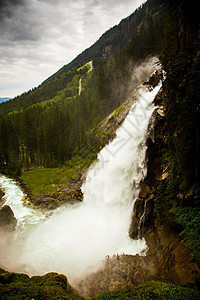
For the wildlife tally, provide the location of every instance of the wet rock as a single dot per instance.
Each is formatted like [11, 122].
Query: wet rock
[66, 194]
[167, 260]
[160, 111]
[153, 80]
[1, 197]
[144, 191]
[158, 99]
[175, 262]
[7, 220]
[143, 218]
[117, 272]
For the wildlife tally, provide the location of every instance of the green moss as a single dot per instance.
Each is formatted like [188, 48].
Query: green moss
[20, 286]
[154, 290]
[189, 218]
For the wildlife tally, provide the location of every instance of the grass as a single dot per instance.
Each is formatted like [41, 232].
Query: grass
[41, 180]
[154, 290]
[45, 179]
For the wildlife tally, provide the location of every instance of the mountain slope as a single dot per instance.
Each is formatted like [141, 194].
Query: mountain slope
[112, 40]
[49, 124]
[3, 99]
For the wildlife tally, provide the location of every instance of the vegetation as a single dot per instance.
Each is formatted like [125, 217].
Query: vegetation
[49, 129]
[49, 286]
[41, 180]
[54, 286]
[153, 290]
[178, 197]
[51, 122]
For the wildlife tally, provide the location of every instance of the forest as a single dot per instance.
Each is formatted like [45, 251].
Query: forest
[49, 125]
[53, 124]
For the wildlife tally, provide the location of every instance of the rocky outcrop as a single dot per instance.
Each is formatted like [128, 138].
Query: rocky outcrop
[167, 259]
[174, 261]
[105, 132]
[143, 211]
[49, 286]
[2, 194]
[69, 193]
[117, 272]
[106, 129]
[7, 220]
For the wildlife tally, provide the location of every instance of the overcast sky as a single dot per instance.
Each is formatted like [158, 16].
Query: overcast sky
[38, 37]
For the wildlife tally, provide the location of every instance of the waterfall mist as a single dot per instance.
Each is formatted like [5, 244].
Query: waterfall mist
[74, 239]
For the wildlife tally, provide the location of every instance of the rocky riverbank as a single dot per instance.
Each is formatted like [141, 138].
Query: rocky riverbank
[66, 193]
[7, 220]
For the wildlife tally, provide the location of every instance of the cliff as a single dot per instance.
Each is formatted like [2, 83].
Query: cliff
[167, 259]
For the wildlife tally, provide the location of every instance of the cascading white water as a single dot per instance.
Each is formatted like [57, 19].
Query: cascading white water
[76, 238]
[13, 197]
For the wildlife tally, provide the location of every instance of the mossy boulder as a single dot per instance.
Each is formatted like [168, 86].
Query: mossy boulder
[20, 287]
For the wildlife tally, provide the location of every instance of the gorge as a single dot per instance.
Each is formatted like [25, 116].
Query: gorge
[75, 239]
[133, 231]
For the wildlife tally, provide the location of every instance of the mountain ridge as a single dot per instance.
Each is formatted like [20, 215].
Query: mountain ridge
[112, 40]
[3, 99]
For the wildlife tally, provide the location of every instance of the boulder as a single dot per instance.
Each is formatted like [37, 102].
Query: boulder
[7, 220]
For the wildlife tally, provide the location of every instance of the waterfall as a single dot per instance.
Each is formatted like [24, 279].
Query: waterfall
[75, 239]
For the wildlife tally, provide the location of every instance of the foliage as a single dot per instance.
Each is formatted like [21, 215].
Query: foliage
[178, 197]
[41, 180]
[154, 290]
[181, 61]
[189, 218]
[51, 122]
[49, 286]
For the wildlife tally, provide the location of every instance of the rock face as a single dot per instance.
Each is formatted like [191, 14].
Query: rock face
[167, 259]
[7, 219]
[70, 193]
[1, 197]
[117, 272]
[174, 262]
[142, 220]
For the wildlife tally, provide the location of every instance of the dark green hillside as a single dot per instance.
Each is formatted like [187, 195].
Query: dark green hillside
[112, 40]
[54, 126]
[51, 122]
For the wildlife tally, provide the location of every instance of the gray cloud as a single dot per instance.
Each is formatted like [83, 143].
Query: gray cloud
[40, 36]
[7, 8]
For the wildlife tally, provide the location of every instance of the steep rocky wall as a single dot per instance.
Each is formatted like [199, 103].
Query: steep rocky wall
[1, 197]
[167, 259]
[174, 262]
